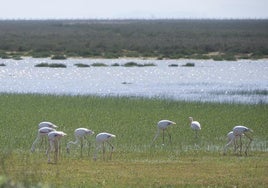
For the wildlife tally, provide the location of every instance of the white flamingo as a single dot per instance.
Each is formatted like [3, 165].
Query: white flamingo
[47, 124]
[163, 126]
[238, 132]
[41, 133]
[195, 125]
[80, 134]
[54, 143]
[101, 139]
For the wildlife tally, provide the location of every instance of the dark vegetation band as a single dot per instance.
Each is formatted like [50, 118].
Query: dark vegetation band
[198, 39]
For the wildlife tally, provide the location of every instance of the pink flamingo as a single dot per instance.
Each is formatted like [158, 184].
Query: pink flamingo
[54, 141]
[101, 139]
[80, 134]
[163, 126]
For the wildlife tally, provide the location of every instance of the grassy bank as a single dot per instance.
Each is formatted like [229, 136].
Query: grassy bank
[187, 162]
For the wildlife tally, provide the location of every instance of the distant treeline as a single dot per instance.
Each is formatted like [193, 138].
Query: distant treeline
[219, 39]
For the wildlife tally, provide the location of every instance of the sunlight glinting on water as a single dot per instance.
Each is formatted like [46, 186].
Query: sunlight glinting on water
[207, 80]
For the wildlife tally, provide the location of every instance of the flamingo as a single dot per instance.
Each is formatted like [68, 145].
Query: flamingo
[47, 124]
[195, 125]
[54, 141]
[239, 131]
[163, 125]
[41, 133]
[80, 134]
[101, 138]
[41, 125]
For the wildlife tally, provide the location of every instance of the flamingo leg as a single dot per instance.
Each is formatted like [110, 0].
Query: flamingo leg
[156, 135]
[227, 145]
[49, 149]
[250, 140]
[89, 145]
[59, 148]
[96, 152]
[112, 149]
[169, 135]
[81, 147]
[236, 144]
[240, 148]
[163, 142]
[34, 143]
[233, 145]
[103, 151]
[56, 152]
[196, 134]
[77, 140]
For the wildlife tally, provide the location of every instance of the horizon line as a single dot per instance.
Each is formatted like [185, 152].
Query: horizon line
[133, 18]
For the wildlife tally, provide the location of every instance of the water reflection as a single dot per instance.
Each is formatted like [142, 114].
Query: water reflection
[243, 81]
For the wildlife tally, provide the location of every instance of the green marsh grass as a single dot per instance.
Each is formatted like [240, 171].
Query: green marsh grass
[188, 162]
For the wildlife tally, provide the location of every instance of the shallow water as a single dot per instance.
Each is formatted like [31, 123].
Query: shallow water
[243, 81]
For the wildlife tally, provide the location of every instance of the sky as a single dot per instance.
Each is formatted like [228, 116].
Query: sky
[140, 9]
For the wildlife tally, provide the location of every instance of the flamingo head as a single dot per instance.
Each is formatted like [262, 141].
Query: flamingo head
[61, 133]
[250, 130]
[53, 126]
[191, 119]
[90, 132]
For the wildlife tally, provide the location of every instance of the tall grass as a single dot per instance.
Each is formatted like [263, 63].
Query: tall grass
[133, 121]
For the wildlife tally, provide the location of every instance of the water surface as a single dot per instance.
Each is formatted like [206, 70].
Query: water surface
[243, 81]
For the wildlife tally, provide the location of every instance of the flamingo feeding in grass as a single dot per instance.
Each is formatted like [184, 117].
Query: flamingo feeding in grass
[195, 125]
[101, 139]
[163, 126]
[44, 132]
[80, 134]
[238, 132]
[54, 143]
[41, 133]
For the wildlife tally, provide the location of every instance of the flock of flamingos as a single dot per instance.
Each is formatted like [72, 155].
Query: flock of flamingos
[48, 129]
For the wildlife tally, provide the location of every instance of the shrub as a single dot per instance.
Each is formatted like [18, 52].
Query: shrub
[115, 65]
[99, 65]
[130, 64]
[173, 65]
[52, 65]
[81, 65]
[189, 65]
[149, 65]
[42, 65]
[134, 64]
[57, 65]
